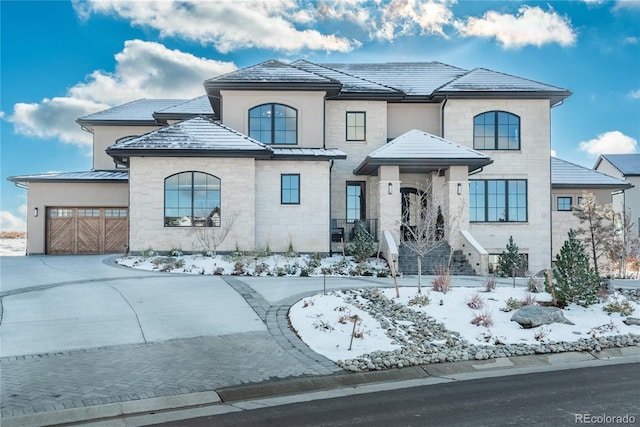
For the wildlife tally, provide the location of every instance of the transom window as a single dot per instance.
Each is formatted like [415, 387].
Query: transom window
[496, 130]
[290, 189]
[564, 203]
[498, 200]
[192, 199]
[356, 125]
[274, 124]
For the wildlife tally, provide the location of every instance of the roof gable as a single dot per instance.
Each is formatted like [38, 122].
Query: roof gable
[568, 175]
[270, 72]
[627, 164]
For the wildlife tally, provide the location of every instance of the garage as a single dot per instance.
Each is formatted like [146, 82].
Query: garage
[82, 230]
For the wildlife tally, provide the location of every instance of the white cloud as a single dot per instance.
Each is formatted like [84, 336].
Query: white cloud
[631, 40]
[530, 26]
[627, 4]
[635, 94]
[388, 20]
[614, 142]
[225, 24]
[10, 222]
[143, 70]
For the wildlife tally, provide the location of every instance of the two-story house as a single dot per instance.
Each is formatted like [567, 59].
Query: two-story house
[298, 153]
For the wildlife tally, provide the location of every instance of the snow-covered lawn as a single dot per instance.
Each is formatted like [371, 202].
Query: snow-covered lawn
[13, 247]
[322, 321]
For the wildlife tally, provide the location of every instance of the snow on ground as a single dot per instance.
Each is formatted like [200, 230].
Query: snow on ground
[272, 265]
[317, 321]
[13, 247]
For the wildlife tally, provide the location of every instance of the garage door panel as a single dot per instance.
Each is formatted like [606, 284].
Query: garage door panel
[86, 230]
[116, 234]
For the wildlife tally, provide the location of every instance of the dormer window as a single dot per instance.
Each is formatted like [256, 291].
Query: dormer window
[274, 124]
[496, 130]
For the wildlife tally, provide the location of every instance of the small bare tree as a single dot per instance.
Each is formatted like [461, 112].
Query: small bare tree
[599, 229]
[213, 233]
[422, 227]
[625, 245]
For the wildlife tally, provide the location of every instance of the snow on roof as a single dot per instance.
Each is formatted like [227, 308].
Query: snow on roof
[141, 111]
[481, 79]
[424, 150]
[196, 106]
[270, 72]
[566, 174]
[627, 164]
[351, 84]
[309, 153]
[412, 78]
[195, 134]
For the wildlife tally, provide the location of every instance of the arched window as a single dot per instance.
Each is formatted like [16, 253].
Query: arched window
[192, 199]
[496, 130]
[274, 124]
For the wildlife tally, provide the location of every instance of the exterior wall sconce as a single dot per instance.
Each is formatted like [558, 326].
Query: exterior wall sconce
[459, 189]
[390, 188]
[35, 212]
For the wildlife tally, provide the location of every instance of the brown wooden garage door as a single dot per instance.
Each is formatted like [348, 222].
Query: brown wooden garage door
[87, 230]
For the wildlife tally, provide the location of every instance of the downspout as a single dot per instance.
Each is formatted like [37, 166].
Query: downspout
[444, 103]
[330, 192]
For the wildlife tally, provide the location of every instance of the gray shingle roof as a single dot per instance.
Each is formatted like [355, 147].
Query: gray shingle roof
[307, 153]
[413, 78]
[270, 72]
[140, 111]
[82, 176]
[627, 164]
[350, 84]
[196, 136]
[422, 151]
[568, 175]
[192, 107]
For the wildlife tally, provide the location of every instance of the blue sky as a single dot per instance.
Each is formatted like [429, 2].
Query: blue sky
[61, 60]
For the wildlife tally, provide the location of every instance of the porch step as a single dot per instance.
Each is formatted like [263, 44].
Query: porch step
[408, 263]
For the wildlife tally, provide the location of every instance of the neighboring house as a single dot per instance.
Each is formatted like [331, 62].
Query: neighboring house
[627, 167]
[569, 184]
[299, 153]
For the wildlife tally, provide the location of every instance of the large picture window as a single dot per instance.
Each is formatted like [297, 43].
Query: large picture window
[498, 200]
[192, 199]
[496, 130]
[274, 124]
[356, 125]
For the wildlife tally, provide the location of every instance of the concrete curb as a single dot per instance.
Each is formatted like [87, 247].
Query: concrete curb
[299, 389]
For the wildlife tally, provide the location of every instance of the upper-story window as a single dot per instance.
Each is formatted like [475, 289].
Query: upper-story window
[496, 130]
[192, 199]
[356, 125]
[564, 203]
[274, 124]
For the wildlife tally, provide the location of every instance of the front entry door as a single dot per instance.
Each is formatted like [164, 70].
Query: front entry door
[412, 198]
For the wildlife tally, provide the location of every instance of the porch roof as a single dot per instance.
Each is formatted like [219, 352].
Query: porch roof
[418, 151]
[569, 175]
[80, 176]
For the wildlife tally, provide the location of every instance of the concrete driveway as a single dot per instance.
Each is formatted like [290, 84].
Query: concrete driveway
[56, 303]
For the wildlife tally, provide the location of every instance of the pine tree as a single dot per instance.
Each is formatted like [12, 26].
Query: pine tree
[575, 280]
[510, 260]
[363, 243]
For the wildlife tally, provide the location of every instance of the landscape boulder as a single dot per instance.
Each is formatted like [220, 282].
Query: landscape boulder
[632, 321]
[531, 316]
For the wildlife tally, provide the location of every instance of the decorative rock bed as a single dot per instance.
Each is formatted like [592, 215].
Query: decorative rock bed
[425, 341]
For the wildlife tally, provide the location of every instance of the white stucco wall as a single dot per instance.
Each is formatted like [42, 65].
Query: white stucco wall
[146, 209]
[531, 162]
[310, 106]
[59, 194]
[305, 225]
[104, 136]
[402, 118]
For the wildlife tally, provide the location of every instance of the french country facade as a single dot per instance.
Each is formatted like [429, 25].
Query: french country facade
[298, 154]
